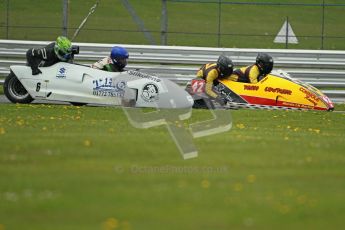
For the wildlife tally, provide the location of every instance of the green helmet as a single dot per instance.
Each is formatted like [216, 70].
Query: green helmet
[63, 48]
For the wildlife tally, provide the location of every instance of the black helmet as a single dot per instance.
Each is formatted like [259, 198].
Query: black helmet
[225, 66]
[264, 63]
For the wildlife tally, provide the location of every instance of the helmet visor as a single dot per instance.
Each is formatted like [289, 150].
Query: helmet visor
[225, 71]
[122, 62]
[65, 55]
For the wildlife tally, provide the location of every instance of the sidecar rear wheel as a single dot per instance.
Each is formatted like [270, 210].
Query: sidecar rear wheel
[15, 91]
[203, 104]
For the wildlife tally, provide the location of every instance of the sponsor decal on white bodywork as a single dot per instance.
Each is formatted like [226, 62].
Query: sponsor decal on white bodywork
[61, 73]
[143, 75]
[105, 87]
[150, 92]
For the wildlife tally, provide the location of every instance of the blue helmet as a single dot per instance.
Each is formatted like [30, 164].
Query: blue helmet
[119, 56]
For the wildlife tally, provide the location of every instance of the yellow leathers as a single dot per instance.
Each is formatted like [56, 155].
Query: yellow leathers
[249, 74]
[209, 72]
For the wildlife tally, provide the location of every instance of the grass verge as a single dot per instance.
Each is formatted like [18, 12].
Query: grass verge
[65, 167]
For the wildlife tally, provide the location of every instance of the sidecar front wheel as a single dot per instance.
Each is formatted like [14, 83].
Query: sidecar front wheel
[15, 91]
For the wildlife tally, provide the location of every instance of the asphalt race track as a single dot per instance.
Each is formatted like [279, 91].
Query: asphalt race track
[3, 99]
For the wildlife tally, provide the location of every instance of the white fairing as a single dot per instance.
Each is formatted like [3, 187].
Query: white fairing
[282, 73]
[82, 84]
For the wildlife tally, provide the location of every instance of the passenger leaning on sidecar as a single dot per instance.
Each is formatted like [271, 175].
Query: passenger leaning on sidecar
[59, 51]
[115, 62]
[254, 73]
[213, 71]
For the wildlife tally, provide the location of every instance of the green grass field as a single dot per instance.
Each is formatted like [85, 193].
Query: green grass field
[250, 26]
[65, 167]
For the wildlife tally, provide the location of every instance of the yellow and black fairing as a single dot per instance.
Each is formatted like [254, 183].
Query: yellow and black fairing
[277, 89]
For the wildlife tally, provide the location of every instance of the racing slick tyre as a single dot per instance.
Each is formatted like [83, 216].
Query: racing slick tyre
[199, 104]
[203, 104]
[78, 104]
[15, 91]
